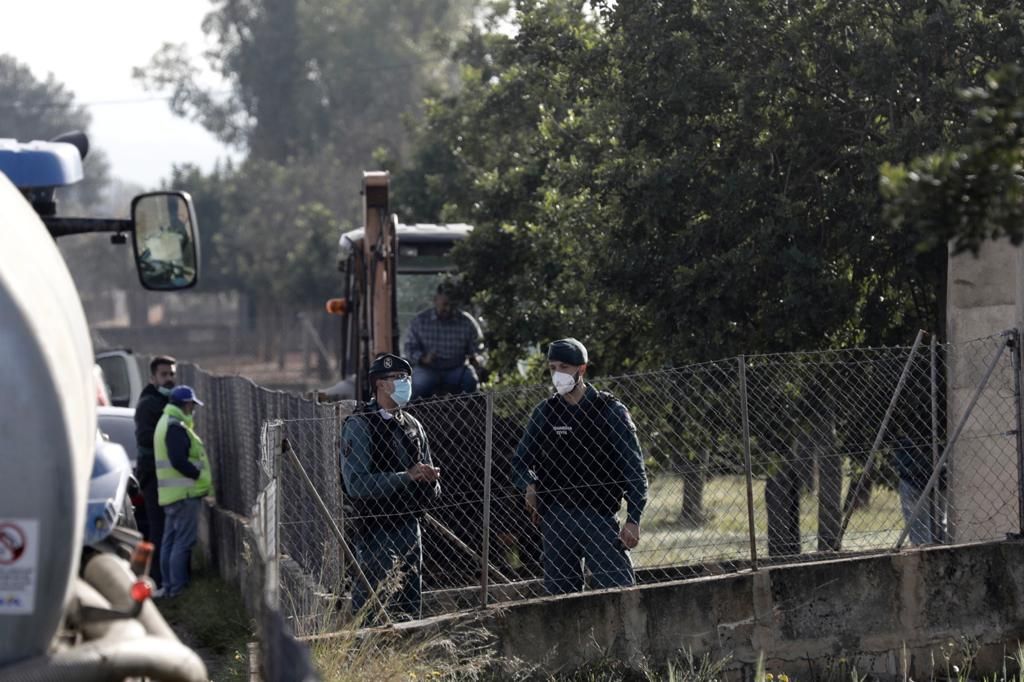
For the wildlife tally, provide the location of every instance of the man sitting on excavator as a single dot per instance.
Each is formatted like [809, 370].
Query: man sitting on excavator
[444, 347]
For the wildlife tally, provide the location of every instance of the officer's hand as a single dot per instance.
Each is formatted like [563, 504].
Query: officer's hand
[531, 504]
[421, 471]
[427, 359]
[630, 535]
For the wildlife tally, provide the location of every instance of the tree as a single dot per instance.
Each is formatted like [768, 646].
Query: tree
[316, 90]
[40, 110]
[689, 180]
[490, 154]
[725, 151]
[973, 191]
[34, 109]
[307, 79]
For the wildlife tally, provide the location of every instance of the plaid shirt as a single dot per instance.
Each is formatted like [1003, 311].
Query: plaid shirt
[451, 341]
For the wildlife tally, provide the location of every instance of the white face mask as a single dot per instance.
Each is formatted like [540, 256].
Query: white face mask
[563, 382]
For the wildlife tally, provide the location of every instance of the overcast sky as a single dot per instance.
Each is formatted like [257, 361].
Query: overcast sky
[91, 47]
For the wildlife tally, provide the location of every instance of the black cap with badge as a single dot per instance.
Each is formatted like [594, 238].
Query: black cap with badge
[385, 363]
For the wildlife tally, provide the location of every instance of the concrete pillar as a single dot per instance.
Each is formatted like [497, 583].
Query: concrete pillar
[986, 297]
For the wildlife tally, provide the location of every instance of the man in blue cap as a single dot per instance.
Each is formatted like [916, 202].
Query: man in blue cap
[577, 460]
[390, 480]
[183, 480]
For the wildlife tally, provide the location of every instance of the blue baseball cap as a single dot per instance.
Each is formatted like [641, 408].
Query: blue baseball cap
[183, 394]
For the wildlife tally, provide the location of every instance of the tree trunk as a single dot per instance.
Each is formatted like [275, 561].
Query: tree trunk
[863, 499]
[782, 502]
[281, 337]
[693, 473]
[830, 497]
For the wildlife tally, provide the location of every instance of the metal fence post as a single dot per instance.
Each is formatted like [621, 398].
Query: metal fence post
[1015, 350]
[275, 562]
[485, 562]
[938, 529]
[848, 507]
[289, 451]
[746, 461]
[934, 479]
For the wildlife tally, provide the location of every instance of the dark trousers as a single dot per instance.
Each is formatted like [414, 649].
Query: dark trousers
[426, 381]
[391, 553]
[146, 468]
[574, 538]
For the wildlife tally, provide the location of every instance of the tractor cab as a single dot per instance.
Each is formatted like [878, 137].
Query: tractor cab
[421, 258]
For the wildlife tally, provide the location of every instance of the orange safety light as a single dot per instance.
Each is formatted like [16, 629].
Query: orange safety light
[337, 306]
[142, 558]
[141, 591]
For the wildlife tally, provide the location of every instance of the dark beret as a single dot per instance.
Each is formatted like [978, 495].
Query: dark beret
[569, 351]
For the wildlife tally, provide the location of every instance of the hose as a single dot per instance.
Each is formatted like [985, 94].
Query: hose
[86, 595]
[113, 579]
[144, 646]
[113, 659]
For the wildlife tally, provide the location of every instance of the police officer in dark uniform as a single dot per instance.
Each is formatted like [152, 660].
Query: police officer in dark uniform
[389, 479]
[577, 460]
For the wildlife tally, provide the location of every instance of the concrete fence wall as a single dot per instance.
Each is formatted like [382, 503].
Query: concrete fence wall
[806, 619]
[985, 297]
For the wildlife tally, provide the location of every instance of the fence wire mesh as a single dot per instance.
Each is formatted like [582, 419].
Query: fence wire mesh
[752, 459]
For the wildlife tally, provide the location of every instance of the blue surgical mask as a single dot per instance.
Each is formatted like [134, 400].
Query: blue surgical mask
[402, 391]
[164, 391]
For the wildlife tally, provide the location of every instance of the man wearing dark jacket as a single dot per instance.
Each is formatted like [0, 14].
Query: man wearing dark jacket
[148, 410]
[579, 457]
[390, 480]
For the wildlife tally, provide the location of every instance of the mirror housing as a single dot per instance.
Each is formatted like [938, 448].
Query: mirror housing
[165, 240]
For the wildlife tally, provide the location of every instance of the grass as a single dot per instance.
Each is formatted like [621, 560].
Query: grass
[210, 618]
[667, 541]
[464, 653]
[380, 656]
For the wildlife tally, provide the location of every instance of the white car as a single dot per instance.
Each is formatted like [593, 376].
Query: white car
[118, 424]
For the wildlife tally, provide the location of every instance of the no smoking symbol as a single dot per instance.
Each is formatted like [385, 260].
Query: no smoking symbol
[12, 543]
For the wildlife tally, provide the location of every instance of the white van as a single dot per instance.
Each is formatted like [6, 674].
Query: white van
[121, 372]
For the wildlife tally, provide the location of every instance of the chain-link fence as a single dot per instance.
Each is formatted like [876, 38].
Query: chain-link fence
[234, 425]
[758, 458]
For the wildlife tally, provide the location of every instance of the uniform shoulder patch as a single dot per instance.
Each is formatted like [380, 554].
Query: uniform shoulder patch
[617, 406]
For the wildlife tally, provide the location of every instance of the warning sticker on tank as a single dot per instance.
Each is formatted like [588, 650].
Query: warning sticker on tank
[19, 554]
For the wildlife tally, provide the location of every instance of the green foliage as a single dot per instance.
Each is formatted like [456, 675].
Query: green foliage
[680, 181]
[973, 191]
[277, 240]
[316, 89]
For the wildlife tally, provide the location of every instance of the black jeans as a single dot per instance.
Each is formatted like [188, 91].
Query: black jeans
[146, 468]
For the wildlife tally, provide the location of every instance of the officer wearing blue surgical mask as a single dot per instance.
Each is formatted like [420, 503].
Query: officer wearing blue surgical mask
[576, 462]
[390, 480]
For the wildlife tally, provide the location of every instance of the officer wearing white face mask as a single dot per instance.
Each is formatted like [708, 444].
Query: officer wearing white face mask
[390, 480]
[578, 459]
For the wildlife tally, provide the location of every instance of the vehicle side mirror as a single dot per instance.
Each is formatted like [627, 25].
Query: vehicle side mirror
[164, 237]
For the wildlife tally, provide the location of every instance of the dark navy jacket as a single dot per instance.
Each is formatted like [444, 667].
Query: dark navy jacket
[584, 456]
[148, 411]
[376, 452]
